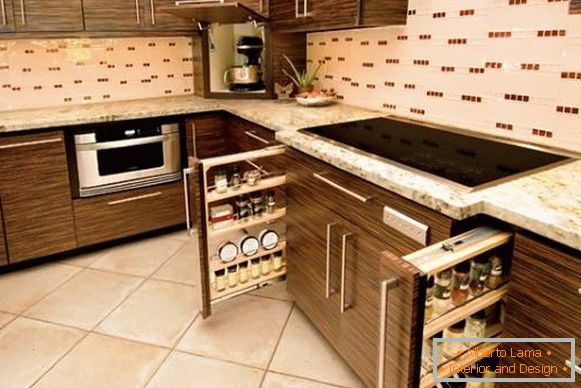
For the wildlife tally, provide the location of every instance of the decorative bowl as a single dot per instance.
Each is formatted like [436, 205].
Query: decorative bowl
[315, 100]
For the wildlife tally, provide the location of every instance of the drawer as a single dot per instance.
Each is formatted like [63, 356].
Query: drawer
[245, 136]
[113, 216]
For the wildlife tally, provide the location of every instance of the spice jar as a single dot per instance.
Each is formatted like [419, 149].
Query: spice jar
[236, 179]
[257, 204]
[476, 325]
[265, 265]
[479, 270]
[252, 177]
[220, 279]
[255, 268]
[220, 181]
[232, 276]
[277, 261]
[428, 355]
[452, 349]
[270, 201]
[496, 277]
[443, 282]
[243, 272]
[429, 309]
[242, 207]
[460, 283]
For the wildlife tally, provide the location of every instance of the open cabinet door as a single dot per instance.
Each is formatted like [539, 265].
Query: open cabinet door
[403, 290]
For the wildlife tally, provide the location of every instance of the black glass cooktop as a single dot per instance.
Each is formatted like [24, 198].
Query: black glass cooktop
[469, 161]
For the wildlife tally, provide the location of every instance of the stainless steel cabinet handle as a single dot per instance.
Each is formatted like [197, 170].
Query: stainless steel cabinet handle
[577, 367]
[346, 236]
[297, 14]
[121, 143]
[328, 265]
[306, 8]
[358, 197]
[137, 12]
[23, 12]
[30, 143]
[136, 198]
[256, 137]
[186, 172]
[3, 7]
[386, 286]
[152, 9]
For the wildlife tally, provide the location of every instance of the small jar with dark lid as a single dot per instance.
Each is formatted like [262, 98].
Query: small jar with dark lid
[220, 280]
[443, 282]
[232, 276]
[496, 277]
[255, 268]
[460, 283]
[479, 270]
[243, 274]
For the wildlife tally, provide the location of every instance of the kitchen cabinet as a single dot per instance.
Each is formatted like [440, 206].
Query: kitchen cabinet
[320, 15]
[162, 21]
[6, 16]
[47, 15]
[3, 256]
[575, 6]
[35, 195]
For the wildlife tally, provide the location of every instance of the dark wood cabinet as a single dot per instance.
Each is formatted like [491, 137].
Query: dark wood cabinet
[6, 16]
[163, 21]
[320, 15]
[114, 15]
[575, 6]
[47, 15]
[35, 195]
[3, 255]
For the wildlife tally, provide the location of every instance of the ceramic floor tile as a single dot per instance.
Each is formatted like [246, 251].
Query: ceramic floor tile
[5, 318]
[28, 348]
[304, 352]
[244, 330]
[102, 361]
[180, 267]
[275, 380]
[189, 371]
[22, 289]
[85, 259]
[86, 299]
[140, 258]
[158, 313]
[274, 291]
[180, 235]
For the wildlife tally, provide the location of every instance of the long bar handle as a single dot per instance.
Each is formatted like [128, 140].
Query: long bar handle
[30, 143]
[577, 368]
[3, 6]
[359, 197]
[328, 265]
[386, 286]
[136, 198]
[137, 12]
[186, 172]
[256, 137]
[23, 12]
[346, 236]
[152, 10]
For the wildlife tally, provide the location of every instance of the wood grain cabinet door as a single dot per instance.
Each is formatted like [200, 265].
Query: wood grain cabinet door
[3, 256]
[383, 12]
[6, 16]
[114, 15]
[575, 6]
[162, 21]
[48, 15]
[36, 196]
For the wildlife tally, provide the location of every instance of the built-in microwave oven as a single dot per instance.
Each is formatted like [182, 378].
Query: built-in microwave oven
[127, 157]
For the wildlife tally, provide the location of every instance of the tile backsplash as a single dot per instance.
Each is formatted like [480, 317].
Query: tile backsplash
[40, 73]
[504, 67]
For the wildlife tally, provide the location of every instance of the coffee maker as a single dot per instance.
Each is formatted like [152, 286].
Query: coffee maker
[248, 76]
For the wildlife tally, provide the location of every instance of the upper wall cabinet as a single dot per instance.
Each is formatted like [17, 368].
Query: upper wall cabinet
[320, 15]
[575, 6]
[45, 15]
[131, 15]
[6, 16]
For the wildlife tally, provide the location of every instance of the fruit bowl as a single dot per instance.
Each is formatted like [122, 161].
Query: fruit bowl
[314, 99]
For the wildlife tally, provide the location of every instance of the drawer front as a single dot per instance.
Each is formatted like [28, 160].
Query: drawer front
[119, 215]
[245, 136]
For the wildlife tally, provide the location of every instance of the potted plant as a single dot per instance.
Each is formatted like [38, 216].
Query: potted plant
[304, 79]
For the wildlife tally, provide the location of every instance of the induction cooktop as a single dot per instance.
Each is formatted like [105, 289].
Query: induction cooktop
[468, 161]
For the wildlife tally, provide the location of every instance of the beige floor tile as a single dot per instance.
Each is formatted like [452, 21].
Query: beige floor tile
[101, 361]
[304, 352]
[244, 330]
[29, 348]
[20, 290]
[180, 267]
[188, 371]
[275, 380]
[86, 299]
[85, 259]
[5, 318]
[139, 258]
[180, 235]
[274, 291]
[158, 313]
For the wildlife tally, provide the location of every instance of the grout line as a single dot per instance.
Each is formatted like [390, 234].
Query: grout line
[219, 359]
[277, 344]
[308, 379]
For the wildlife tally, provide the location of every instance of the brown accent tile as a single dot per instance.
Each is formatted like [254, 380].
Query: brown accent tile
[402, 37]
[425, 37]
[516, 97]
[421, 62]
[437, 15]
[469, 98]
[370, 86]
[448, 69]
[411, 12]
[508, 127]
[367, 64]
[571, 75]
[499, 34]
[476, 70]
[409, 86]
[467, 12]
[392, 61]
[457, 41]
[389, 84]
[418, 111]
[517, 2]
[364, 43]
[493, 65]
[433, 93]
[568, 109]
[530, 66]
[389, 106]
[541, 132]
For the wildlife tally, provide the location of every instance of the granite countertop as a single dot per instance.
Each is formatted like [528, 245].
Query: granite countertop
[547, 203]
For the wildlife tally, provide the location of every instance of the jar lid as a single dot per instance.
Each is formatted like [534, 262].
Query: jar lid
[458, 325]
[221, 272]
[249, 245]
[268, 239]
[232, 268]
[227, 252]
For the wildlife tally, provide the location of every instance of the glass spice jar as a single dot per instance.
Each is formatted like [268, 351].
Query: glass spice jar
[235, 179]
[452, 349]
[479, 270]
[220, 280]
[265, 265]
[277, 261]
[242, 207]
[476, 325]
[429, 307]
[496, 277]
[257, 204]
[270, 201]
[255, 268]
[232, 276]
[443, 282]
[220, 181]
[460, 283]
[243, 272]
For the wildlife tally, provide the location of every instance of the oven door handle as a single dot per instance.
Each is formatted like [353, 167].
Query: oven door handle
[121, 143]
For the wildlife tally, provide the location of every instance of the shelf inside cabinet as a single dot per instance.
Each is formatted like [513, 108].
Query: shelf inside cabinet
[213, 12]
[462, 312]
[263, 184]
[217, 264]
[247, 223]
[455, 250]
[253, 283]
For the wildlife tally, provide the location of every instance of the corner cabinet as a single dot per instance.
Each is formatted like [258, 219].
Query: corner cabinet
[35, 195]
[6, 16]
[46, 15]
